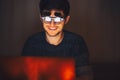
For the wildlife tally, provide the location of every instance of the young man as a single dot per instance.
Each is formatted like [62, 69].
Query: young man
[56, 42]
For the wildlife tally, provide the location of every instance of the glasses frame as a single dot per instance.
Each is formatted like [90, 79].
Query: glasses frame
[52, 19]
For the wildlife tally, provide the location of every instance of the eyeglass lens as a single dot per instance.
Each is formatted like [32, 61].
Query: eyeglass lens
[49, 19]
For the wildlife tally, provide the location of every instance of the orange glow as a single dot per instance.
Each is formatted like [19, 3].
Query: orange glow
[68, 74]
[36, 68]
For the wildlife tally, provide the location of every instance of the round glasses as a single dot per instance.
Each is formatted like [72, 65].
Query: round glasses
[48, 19]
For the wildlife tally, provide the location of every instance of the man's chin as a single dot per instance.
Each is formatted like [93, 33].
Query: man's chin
[53, 35]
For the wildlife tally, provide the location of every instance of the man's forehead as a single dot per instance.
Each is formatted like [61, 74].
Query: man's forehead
[53, 10]
[56, 12]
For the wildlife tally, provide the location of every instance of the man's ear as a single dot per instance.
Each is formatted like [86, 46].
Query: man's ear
[67, 19]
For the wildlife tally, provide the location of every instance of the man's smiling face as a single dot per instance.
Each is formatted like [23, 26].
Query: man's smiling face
[53, 22]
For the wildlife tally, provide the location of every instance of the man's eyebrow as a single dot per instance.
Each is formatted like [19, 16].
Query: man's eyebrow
[46, 13]
[59, 14]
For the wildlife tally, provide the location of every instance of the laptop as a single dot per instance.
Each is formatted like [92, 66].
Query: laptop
[37, 68]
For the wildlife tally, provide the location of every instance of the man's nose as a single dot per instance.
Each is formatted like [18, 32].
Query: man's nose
[52, 23]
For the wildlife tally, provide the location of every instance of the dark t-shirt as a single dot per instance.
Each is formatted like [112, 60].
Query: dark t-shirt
[72, 45]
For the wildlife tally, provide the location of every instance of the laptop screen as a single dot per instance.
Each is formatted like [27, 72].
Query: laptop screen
[37, 68]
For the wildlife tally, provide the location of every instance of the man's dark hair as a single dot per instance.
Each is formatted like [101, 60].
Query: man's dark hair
[55, 4]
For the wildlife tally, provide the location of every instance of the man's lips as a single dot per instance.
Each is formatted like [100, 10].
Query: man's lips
[52, 28]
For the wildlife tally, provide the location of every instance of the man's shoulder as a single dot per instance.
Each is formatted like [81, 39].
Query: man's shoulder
[36, 36]
[72, 36]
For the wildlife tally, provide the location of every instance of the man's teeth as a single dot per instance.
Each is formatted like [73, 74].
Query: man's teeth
[52, 28]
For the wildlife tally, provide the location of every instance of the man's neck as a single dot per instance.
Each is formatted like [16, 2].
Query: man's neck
[55, 40]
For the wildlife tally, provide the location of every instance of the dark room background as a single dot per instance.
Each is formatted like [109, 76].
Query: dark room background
[98, 21]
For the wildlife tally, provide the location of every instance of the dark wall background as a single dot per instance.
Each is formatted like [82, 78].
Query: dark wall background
[98, 21]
